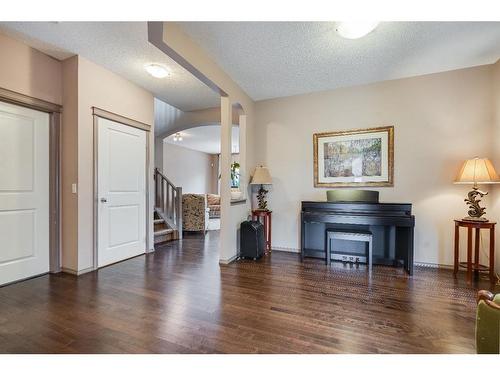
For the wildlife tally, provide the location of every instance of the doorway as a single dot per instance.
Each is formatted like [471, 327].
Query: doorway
[121, 196]
[24, 193]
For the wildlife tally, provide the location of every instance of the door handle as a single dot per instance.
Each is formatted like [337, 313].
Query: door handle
[103, 200]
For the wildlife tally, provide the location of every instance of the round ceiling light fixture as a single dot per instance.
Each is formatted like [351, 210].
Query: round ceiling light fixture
[157, 70]
[356, 29]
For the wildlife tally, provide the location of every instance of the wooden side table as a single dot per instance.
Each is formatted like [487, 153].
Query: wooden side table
[266, 216]
[469, 265]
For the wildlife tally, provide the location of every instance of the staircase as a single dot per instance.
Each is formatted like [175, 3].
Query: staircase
[168, 210]
[162, 231]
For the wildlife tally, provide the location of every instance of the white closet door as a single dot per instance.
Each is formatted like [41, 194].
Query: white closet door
[24, 193]
[121, 192]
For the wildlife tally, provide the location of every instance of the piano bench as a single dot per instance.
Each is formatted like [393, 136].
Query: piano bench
[336, 234]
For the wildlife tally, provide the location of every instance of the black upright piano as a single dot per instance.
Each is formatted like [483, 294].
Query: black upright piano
[391, 225]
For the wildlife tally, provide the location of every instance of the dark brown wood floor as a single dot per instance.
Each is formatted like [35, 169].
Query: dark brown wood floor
[179, 300]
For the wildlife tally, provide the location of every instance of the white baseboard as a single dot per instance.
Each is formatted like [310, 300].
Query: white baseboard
[285, 249]
[420, 264]
[77, 273]
[227, 261]
[434, 265]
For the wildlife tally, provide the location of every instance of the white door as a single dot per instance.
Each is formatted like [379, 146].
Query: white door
[121, 195]
[24, 193]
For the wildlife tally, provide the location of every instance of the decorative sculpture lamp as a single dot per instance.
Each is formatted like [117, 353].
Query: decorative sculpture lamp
[476, 171]
[262, 177]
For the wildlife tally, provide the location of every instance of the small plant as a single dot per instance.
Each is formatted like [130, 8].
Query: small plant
[235, 175]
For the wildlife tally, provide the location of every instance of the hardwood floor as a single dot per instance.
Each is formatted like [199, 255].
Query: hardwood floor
[179, 300]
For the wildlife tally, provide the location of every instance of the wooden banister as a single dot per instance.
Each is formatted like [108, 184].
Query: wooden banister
[168, 201]
[163, 176]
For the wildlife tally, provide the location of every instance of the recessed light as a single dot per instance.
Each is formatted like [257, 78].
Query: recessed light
[356, 29]
[157, 70]
[177, 137]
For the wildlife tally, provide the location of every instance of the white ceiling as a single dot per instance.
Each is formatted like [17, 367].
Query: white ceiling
[121, 47]
[270, 59]
[206, 139]
[275, 59]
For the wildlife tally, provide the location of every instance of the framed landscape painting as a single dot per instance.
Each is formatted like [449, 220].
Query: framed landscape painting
[354, 158]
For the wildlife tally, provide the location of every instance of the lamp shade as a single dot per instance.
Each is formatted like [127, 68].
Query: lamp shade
[477, 171]
[261, 176]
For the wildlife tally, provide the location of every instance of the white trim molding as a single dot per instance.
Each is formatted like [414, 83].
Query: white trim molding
[77, 273]
[434, 265]
[285, 249]
[228, 261]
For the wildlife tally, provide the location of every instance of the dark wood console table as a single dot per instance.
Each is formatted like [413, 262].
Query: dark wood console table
[476, 267]
[391, 225]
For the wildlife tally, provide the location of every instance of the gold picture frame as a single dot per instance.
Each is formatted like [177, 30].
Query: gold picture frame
[386, 179]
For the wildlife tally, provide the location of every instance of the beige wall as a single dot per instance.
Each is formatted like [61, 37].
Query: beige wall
[494, 212]
[192, 170]
[69, 164]
[78, 85]
[215, 173]
[159, 153]
[96, 87]
[439, 121]
[30, 72]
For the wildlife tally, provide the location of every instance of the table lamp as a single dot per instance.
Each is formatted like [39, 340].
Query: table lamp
[476, 171]
[262, 177]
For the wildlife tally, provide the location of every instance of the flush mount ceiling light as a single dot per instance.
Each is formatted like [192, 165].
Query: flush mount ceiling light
[177, 137]
[356, 29]
[157, 70]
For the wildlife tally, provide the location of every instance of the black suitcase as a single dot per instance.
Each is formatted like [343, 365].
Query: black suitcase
[252, 241]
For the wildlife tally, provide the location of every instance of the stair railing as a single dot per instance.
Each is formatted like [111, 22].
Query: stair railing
[168, 201]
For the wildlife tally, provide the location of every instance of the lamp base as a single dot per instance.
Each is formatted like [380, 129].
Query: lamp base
[470, 218]
[261, 197]
[475, 212]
